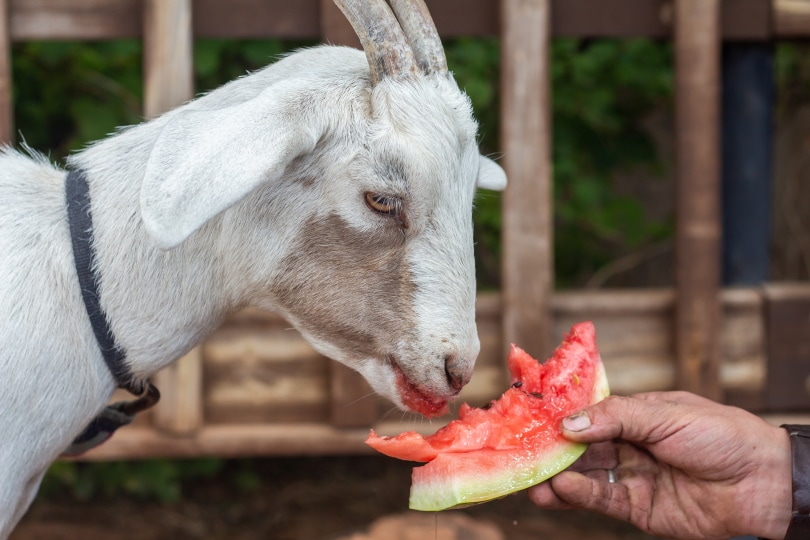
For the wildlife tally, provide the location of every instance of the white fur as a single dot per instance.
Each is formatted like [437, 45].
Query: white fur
[203, 211]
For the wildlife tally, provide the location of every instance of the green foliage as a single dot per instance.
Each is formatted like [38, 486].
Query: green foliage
[159, 480]
[67, 94]
[217, 61]
[602, 93]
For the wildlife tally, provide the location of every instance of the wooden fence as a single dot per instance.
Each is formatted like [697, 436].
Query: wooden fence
[254, 388]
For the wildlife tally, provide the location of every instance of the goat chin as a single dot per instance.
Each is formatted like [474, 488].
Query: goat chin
[260, 193]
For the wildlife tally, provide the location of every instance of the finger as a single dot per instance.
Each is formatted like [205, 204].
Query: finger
[641, 421]
[587, 493]
[543, 496]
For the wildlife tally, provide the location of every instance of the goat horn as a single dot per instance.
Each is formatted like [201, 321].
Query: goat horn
[384, 42]
[416, 22]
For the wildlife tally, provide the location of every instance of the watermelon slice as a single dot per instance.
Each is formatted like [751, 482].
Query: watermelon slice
[515, 441]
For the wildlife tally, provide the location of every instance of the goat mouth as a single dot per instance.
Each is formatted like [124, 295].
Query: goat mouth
[417, 400]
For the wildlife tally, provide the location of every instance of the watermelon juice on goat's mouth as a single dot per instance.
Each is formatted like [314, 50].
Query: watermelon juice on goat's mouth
[514, 442]
[416, 400]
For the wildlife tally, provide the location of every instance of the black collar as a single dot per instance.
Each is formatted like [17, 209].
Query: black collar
[77, 196]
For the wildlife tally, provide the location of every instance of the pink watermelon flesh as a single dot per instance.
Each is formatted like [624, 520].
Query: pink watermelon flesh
[515, 441]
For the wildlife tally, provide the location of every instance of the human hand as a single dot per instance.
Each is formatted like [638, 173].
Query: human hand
[684, 467]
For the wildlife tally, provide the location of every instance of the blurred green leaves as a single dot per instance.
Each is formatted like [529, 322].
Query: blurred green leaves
[156, 479]
[67, 94]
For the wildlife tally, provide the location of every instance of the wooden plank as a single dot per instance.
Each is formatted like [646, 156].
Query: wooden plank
[746, 20]
[778, 419]
[243, 19]
[787, 321]
[6, 102]
[742, 344]
[335, 28]
[634, 334]
[111, 19]
[527, 237]
[231, 441]
[791, 18]
[168, 82]
[697, 77]
[75, 19]
[611, 18]
[263, 374]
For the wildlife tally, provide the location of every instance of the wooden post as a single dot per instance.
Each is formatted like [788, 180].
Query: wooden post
[528, 269]
[352, 402]
[169, 82]
[787, 320]
[697, 55]
[6, 103]
[168, 55]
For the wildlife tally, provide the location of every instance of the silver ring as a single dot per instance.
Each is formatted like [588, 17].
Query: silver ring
[611, 476]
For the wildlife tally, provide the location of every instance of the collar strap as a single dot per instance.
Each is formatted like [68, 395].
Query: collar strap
[77, 195]
[81, 236]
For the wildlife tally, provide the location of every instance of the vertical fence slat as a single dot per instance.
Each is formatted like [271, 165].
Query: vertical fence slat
[351, 401]
[787, 319]
[168, 55]
[169, 82]
[6, 106]
[697, 64]
[528, 270]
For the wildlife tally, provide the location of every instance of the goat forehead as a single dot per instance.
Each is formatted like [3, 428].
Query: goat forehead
[428, 106]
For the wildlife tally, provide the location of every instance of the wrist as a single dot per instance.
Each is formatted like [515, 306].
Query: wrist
[772, 493]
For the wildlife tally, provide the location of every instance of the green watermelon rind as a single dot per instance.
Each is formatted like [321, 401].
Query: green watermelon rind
[469, 486]
[464, 484]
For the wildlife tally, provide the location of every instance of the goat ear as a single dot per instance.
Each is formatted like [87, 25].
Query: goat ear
[204, 161]
[491, 175]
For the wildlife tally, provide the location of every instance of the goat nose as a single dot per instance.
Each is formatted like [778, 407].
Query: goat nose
[457, 372]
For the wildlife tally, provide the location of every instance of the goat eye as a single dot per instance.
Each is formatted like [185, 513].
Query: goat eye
[384, 204]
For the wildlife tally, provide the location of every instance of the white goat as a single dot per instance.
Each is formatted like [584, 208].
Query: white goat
[332, 187]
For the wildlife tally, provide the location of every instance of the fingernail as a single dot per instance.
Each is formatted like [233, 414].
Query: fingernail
[576, 422]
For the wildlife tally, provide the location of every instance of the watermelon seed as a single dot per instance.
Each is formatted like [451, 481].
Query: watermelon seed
[517, 384]
[537, 395]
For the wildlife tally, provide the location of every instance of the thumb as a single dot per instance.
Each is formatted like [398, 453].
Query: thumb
[640, 420]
